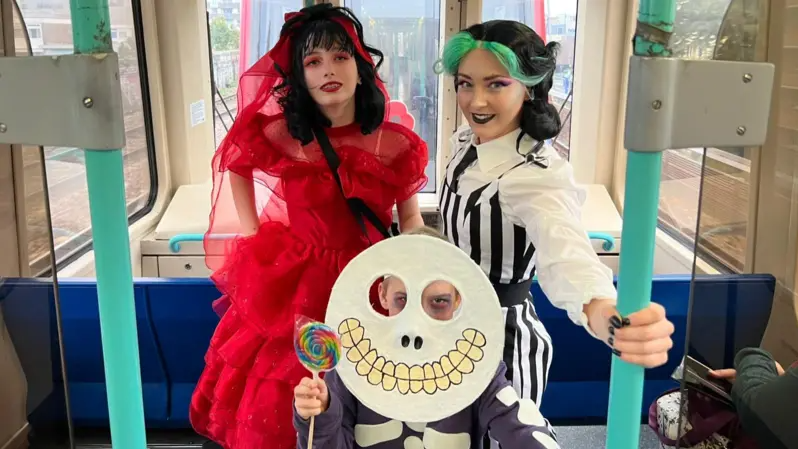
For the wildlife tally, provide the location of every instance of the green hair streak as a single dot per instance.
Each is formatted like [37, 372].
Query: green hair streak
[463, 43]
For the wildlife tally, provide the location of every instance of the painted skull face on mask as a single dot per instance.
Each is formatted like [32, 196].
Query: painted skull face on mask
[412, 367]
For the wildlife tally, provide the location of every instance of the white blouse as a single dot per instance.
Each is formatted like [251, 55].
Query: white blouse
[547, 203]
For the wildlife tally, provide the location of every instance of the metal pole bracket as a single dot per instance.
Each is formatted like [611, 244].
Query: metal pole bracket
[678, 103]
[69, 100]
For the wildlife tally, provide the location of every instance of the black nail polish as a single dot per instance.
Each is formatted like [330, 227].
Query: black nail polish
[616, 352]
[616, 322]
[612, 330]
[626, 322]
[611, 341]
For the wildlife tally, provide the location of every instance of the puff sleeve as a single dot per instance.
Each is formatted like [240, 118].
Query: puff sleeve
[547, 202]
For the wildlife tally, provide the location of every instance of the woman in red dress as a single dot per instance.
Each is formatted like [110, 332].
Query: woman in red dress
[298, 227]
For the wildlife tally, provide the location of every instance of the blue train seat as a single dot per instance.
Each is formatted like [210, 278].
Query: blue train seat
[579, 376]
[83, 348]
[184, 323]
[83, 354]
[175, 324]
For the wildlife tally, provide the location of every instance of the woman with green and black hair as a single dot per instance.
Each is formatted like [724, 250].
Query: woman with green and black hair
[512, 203]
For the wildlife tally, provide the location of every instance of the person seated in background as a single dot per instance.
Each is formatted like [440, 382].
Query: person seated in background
[766, 398]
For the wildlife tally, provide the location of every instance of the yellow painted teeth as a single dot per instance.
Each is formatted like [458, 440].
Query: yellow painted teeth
[429, 378]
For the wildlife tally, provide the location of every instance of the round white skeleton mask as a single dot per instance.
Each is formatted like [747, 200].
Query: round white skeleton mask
[449, 364]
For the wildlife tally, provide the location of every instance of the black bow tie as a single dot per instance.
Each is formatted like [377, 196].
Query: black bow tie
[538, 159]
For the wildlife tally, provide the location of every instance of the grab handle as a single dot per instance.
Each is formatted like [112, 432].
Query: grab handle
[174, 242]
[609, 241]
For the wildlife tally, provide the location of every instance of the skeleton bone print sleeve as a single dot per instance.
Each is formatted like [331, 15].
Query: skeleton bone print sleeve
[513, 422]
[347, 424]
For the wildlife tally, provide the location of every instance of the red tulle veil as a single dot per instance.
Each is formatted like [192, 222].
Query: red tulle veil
[257, 97]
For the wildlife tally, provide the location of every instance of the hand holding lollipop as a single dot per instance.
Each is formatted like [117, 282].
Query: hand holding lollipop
[318, 348]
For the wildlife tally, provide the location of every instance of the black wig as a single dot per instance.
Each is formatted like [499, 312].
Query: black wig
[312, 29]
[533, 59]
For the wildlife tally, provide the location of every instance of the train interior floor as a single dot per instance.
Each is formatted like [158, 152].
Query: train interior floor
[569, 437]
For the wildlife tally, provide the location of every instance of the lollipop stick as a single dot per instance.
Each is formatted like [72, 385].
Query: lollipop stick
[312, 418]
[310, 435]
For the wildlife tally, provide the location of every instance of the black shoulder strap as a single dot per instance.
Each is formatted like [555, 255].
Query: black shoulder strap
[357, 206]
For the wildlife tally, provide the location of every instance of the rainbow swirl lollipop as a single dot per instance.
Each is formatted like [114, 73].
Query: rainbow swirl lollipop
[317, 346]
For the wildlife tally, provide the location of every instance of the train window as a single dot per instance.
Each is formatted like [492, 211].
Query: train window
[49, 32]
[553, 20]
[707, 29]
[232, 23]
[408, 34]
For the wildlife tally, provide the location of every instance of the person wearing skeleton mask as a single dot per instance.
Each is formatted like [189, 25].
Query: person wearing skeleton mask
[511, 202]
[347, 419]
[315, 96]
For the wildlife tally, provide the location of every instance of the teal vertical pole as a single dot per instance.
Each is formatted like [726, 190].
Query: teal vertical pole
[641, 203]
[91, 31]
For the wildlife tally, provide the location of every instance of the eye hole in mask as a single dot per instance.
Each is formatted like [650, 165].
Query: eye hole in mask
[388, 295]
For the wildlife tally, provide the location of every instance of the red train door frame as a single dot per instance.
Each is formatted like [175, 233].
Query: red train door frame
[539, 13]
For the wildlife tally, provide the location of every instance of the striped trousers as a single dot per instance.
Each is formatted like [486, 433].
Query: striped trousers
[527, 353]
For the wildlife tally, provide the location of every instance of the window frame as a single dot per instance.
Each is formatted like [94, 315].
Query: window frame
[599, 51]
[10, 239]
[454, 16]
[83, 249]
[680, 249]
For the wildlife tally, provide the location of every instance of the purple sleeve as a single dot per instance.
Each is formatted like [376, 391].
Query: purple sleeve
[335, 428]
[515, 423]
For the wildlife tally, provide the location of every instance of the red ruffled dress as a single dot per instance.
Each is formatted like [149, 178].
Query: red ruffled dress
[307, 235]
